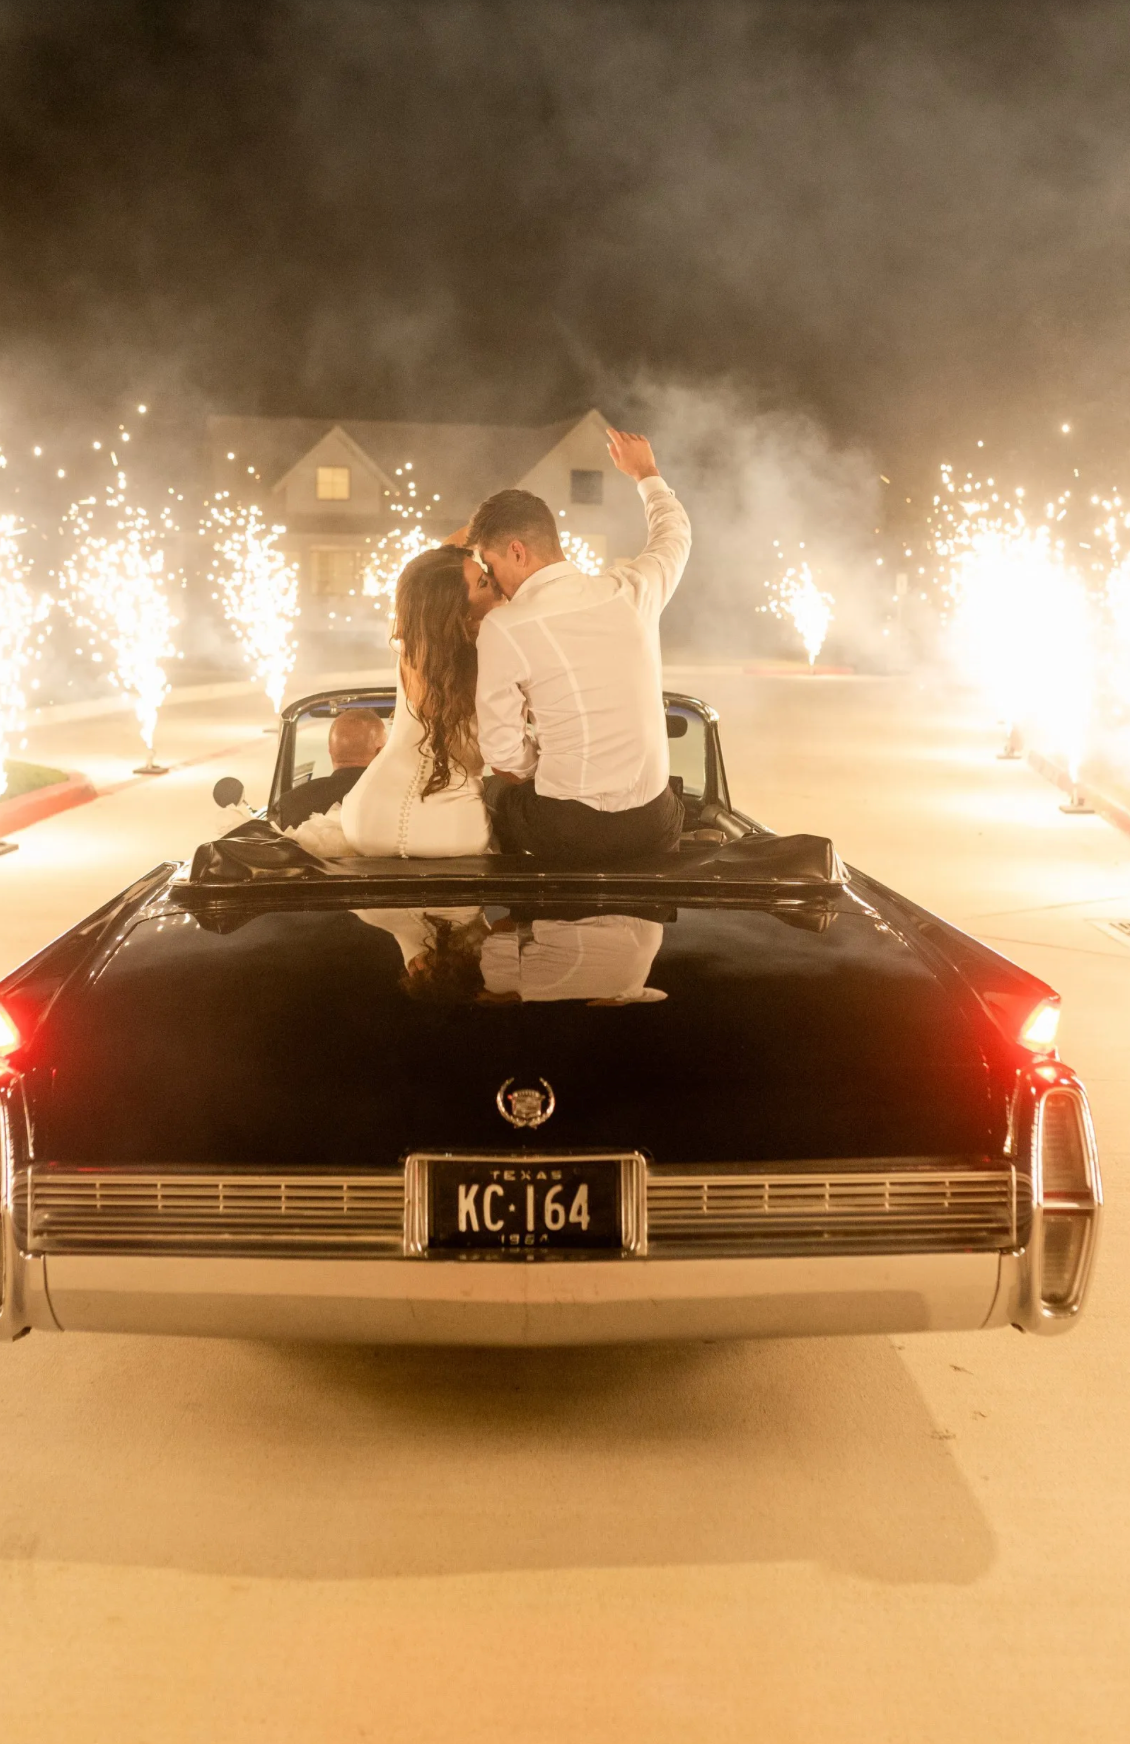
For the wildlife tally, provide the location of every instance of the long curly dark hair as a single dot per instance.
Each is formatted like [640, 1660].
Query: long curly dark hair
[433, 624]
[451, 973]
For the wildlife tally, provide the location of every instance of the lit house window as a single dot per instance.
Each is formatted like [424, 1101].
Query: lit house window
[334, 569]
[332, 484]
[586, 487]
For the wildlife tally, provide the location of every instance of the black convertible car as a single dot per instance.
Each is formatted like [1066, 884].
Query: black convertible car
[736, 1091]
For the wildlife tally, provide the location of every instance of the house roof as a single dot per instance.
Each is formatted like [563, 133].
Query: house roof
[463, 462]
[352, 448]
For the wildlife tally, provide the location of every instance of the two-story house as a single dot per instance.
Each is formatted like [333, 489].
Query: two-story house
[338, 488]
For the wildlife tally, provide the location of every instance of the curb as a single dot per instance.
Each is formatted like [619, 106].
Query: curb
[1111, 809]
[43, 802]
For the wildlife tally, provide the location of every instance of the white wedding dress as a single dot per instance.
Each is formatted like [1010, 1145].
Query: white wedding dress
[385, 813]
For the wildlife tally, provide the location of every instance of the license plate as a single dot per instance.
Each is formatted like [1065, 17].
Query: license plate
[523, 1209]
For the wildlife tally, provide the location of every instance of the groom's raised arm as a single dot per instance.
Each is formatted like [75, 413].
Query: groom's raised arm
[653, 576]
[500, 702]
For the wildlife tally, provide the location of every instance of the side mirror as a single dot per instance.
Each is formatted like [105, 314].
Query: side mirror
[677, 726]
[228, 790]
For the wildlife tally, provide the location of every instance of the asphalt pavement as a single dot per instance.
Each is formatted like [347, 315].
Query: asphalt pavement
[863, 1539]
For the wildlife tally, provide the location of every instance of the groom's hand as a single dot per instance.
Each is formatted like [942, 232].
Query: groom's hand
[632, 454]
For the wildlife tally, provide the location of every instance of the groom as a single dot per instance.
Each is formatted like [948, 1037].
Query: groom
[576, 659]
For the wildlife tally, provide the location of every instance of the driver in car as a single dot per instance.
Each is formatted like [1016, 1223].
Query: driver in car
[355, 738]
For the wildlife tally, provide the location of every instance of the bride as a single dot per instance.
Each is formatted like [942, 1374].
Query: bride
[423, 795]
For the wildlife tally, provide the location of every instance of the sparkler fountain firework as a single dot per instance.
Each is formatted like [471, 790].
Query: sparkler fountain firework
[114, 586]
[1040, 616]
[258, 589]
[1118, 648]
[19, 613]
[797, 598]
[1113, 676]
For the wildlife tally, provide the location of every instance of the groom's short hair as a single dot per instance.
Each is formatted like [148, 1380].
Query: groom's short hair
[513, 514]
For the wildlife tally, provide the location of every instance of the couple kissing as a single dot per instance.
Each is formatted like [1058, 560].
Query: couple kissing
[511, 659]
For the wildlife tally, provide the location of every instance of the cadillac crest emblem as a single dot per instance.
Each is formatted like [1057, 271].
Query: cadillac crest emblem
[526, 1107]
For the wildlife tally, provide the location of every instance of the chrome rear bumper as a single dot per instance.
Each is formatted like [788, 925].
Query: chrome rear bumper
[506, 1302]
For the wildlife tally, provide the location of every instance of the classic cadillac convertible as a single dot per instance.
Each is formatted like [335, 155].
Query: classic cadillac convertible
[740, 1090]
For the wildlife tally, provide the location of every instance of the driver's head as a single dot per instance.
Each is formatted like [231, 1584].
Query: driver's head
[356, 736]
[513, 534]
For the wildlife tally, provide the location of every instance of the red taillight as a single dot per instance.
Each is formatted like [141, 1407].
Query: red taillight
[9, 1035]
[1040, 1029]
[1034, 1026]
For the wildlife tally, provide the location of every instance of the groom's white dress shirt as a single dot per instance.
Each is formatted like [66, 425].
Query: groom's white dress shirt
[577, 658]
[606, 956]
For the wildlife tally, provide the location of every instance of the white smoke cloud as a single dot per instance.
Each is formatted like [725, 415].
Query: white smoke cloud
[748, 479]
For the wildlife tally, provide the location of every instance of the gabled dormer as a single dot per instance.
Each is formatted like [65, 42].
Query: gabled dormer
[334, 478]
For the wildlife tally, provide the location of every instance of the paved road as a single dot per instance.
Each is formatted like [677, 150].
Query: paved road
[873, 1539]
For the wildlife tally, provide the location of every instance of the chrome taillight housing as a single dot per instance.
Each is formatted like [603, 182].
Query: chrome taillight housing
[1066, 1199]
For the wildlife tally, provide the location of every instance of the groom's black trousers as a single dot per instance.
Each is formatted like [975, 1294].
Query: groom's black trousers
[568, 831]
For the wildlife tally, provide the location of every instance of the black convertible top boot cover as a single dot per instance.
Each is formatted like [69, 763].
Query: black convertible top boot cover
[257, 851]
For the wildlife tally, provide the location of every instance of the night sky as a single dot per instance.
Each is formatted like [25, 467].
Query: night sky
[911, 222]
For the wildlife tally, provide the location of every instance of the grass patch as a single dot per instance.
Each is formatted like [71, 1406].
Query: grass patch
[27, 777]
